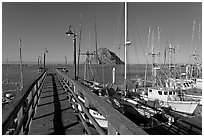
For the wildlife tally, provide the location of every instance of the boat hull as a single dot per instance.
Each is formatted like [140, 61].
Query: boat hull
[180, 106]
[100, 119]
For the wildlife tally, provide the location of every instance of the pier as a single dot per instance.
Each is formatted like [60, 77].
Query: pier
[49, 105]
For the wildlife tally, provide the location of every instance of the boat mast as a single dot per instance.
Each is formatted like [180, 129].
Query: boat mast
[96, 42]
[79, 51]
[125, 41]
[192, 40]
[97, 58]
[145, 81]
[21, 68]
[154, 65]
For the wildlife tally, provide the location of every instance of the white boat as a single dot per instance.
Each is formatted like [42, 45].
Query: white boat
[171, 98]
[191, 88]
[198, 83]
[183, 84]
[100, 119]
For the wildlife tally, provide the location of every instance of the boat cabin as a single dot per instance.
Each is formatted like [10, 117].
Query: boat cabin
[180, 84]
[164, 94]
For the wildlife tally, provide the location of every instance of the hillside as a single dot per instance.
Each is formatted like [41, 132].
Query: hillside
[105, 56]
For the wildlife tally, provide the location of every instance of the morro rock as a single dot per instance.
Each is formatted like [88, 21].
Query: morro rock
[105, 56]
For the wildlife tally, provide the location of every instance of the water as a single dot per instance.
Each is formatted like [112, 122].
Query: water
[100, 73]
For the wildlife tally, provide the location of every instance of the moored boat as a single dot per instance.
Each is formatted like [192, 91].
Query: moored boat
[171, 98]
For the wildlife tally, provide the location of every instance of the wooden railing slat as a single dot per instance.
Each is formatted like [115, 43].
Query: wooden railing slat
[117, 120]
[10, 112]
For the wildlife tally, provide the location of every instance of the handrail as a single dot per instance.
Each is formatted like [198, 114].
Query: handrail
[117, 122]
[21, 109]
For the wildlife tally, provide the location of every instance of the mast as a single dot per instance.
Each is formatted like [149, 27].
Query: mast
[125, 41]
[191, 70]
[96, 42]
[158, 38]
[97, 59]
[152, 54]
[21, 68]
[145, 81]
[165, 55]
[79, 50]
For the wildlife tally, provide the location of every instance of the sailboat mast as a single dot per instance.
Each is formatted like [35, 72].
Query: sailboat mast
[96, 42]
[79, 51]
[125, 41]
[152, 54]
[145, 80]
[21, 68]
[192, 40]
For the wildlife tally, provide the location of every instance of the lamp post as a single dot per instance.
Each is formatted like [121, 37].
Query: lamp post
[71, 32]
[45, 51]
[39, 61]
[65, 61]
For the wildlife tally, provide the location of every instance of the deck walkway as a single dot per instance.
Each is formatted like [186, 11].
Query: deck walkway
[54, 113]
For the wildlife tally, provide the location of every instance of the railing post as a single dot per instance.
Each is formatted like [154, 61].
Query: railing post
[86, 102]
[111, 130]
[19, 116]
[25, 113]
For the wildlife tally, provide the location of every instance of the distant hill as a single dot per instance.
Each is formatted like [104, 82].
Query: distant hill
[105, 56]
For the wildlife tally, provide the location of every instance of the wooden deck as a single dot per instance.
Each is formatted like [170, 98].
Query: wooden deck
[54, 114]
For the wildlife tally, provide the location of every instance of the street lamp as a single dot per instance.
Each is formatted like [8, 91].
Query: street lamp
[71, 32]
[65, 60]
[45, 51]
[39, 61]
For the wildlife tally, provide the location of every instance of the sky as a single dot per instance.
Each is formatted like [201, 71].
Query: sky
[43, 25]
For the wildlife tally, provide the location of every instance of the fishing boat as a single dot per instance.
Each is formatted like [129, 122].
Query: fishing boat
[173, 99]
[189, 82]
[188, 87]
[128, 102]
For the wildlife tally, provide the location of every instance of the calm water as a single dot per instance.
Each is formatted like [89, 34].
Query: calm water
[101, 73]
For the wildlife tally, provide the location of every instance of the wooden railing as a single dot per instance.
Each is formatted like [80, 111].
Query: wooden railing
[117, 122]
[17, 115]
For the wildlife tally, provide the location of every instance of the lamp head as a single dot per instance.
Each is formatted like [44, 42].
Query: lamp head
[69, 33]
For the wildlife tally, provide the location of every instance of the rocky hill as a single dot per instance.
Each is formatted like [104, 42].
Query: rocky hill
[105, 56]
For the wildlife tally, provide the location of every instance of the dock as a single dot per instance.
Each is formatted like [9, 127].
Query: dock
[49, 105]
[54, 115]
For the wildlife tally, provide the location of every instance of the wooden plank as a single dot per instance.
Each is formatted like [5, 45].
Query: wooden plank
[54, 113]
[120, 123]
